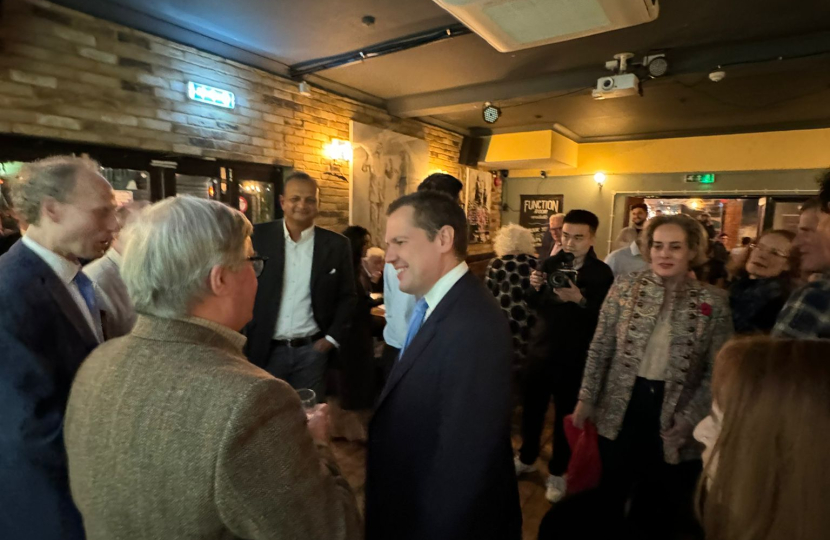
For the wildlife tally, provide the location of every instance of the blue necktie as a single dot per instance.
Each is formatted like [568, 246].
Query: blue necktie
[88, 293]
[415, 323]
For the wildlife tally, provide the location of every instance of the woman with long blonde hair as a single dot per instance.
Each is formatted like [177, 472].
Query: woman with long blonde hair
[767, 472]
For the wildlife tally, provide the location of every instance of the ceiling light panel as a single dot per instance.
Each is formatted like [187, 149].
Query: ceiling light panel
[510, 25]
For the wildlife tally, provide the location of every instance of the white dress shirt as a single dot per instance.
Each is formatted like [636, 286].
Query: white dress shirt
[111, 294]
[443, 286]
[296, 317]
[66, 271]
[398, 307]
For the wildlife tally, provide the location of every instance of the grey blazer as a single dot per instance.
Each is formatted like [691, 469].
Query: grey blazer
[111, 294]
[171, 433]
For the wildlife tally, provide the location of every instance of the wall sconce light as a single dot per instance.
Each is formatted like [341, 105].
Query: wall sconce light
[337, 151]
[599, 178]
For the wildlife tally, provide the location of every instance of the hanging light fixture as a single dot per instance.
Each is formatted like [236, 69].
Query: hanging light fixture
[490, 113]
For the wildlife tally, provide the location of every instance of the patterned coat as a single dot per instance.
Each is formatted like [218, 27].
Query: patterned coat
[508, 278]
[700, 324]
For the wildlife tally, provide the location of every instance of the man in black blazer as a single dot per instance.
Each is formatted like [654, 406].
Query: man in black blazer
[439, 457]
[49, 323]
[552, 240]
[559, 343]
[306, 293]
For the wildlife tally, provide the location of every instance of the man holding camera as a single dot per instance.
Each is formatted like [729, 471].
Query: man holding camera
[567, 293]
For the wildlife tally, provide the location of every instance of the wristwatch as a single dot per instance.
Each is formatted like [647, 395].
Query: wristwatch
[583, 302]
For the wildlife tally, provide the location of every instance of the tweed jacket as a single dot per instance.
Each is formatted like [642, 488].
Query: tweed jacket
[700, 324]
[171, 433]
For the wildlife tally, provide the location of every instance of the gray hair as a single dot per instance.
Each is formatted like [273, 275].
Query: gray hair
[53, 177]
[626, 236]
[171, 249]
[513, 238]
[375, 252]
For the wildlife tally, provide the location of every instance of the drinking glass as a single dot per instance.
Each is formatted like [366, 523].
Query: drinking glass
[308, 398]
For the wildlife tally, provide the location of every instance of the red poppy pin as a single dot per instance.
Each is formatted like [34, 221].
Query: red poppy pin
[706, 309]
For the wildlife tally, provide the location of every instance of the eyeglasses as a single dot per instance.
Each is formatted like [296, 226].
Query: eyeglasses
[258, 263]
[769, 251]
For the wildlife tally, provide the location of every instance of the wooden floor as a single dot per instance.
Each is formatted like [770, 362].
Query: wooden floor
[352, 458]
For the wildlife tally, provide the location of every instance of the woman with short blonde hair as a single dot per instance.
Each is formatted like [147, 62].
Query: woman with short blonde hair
[508, 277]
[513, 239]
[766, 467]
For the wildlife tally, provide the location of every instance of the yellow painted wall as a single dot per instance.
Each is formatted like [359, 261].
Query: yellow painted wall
[769, 151]
[580, 191]
[772, 163]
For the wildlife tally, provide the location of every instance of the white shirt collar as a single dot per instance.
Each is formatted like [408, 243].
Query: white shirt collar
[64, 268]
[304, 236]
[635, 249]
[115, 257]
[443, 286]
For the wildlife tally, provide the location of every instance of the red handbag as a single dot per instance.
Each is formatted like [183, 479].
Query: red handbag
[585, 467]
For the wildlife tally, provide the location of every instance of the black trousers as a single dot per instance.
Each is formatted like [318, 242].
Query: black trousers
[633, 471]
[545, 379]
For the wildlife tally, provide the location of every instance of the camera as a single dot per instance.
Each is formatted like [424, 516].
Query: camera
[563, 272]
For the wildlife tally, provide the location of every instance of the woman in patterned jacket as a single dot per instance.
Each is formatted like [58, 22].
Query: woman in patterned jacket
[508, 278]
[647, 381]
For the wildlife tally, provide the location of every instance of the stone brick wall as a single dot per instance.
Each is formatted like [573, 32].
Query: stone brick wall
[66, 75]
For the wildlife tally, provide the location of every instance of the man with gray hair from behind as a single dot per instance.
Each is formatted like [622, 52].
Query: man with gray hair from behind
[170, 431]
[49, 323]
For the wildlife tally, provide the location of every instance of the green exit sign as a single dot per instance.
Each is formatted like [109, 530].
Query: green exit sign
[707, 178]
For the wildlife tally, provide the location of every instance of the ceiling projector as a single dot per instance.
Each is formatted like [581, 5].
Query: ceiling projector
[615, 86]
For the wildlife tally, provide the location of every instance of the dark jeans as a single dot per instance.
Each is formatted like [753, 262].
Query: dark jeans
[661, 495]
[544, 379]
[301, 367]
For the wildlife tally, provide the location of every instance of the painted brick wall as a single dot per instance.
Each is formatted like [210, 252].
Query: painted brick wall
[66, 75]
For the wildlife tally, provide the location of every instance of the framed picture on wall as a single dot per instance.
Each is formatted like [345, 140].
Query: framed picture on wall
[385, 166]
[479, 187]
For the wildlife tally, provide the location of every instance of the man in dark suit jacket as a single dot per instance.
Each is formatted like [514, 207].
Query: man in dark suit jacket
[306, 294]
[48, 324]
[439, 454]
[559, 343]
[552, 240]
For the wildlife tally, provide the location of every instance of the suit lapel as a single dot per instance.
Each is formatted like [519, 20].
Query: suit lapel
[423, 337]
[405, 362]
[318, 257]
[59, 293]
[70, 309]
[274, 249]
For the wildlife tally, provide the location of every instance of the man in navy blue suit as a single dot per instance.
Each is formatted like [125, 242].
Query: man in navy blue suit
[49, 323]
[440, 462]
